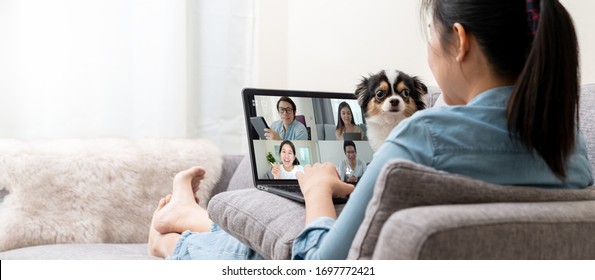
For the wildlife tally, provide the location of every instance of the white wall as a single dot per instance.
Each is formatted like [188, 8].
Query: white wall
[125, 68]
[272, 47]
[329, 45]
[582, 14]
[333, 43]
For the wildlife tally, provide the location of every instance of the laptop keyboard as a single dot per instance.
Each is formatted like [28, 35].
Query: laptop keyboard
[287, 188]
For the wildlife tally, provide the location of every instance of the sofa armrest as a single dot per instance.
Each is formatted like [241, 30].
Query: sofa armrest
[547, 230]
[403, 184]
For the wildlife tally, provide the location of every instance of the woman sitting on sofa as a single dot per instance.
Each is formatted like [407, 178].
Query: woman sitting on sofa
[511, 69]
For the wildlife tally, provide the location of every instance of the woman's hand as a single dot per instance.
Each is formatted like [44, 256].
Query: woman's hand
[276, 170]
[319, 184]
[271, 134]
[352, 179]
[322, 179]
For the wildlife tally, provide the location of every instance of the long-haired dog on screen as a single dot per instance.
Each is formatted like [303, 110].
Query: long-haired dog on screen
[386, 98]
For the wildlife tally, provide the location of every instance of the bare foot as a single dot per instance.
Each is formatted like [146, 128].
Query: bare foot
[162, 245]
[154, 246]
[180, 211]
[167, 198]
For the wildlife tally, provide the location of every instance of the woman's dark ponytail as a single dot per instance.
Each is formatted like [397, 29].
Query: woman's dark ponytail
[542, 112]
[543, 108]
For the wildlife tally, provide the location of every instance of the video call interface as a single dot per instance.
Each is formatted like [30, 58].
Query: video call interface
[312, 132]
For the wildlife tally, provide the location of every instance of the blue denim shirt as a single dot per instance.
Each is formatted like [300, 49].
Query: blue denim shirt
[295, 131]
[471, 140]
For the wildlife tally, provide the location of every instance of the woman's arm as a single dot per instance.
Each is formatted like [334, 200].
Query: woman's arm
[324, 239]
[334, 243]
[319, 200]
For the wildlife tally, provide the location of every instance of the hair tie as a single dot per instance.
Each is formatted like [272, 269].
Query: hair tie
[532, 16]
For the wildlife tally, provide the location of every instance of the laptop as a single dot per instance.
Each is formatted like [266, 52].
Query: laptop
[319, 110]
[352, 136]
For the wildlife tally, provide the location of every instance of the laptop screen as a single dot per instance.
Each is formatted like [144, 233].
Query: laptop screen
[289, 129]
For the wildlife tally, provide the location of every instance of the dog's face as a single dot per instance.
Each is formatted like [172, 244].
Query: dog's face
[391, 92]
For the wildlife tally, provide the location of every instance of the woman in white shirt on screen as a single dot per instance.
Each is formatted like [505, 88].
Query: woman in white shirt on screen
[289, 163]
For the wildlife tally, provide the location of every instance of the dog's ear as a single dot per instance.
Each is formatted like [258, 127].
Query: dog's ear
[421, 87]
[361, 89]
[423, 90]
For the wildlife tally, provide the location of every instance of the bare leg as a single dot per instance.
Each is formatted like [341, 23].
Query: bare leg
[162, 245]
[181, 212]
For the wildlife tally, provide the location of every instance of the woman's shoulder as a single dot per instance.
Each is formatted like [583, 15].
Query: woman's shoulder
[441, 115]
[429, 122]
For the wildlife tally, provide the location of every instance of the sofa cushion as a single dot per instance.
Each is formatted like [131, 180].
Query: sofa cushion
[87, 251]
[242, 213]
[266, 222]
[92, 191]
[433, 97]
[419, 185]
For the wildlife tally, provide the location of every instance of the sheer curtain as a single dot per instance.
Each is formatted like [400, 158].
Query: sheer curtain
[125, 68]
[222, 61]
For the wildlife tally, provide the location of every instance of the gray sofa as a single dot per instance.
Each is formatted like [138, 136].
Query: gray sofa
[425, 214]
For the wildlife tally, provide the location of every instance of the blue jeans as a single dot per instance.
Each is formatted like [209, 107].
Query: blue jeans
[214, 245]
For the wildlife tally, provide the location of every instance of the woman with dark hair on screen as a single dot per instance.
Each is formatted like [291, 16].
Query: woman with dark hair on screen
[511, 69]
[289, 165]
[345, 122]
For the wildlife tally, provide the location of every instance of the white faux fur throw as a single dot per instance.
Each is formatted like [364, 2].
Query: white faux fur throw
[92, 191]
